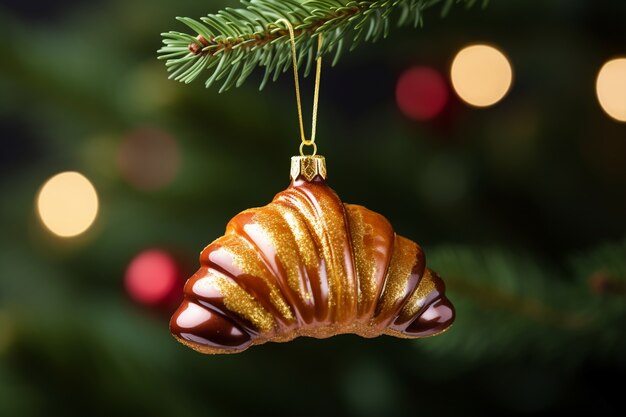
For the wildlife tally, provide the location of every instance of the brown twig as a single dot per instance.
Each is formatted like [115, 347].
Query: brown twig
[214, 45]
[533, 309]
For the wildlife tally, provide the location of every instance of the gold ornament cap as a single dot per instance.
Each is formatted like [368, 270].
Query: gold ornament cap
[308, 166]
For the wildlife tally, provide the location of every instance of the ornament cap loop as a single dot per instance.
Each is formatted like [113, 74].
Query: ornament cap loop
[308, 143]
[308, 166]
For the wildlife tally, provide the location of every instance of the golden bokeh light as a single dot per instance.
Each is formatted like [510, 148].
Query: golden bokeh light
[67, 204]
[481, 75]
[611, 88]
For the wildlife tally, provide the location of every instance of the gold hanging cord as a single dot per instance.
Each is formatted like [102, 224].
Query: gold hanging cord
[294, 52]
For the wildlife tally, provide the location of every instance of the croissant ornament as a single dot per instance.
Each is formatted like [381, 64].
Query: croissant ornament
[308, 265]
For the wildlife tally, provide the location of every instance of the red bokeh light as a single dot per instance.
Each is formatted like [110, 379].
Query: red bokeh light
[421, 93]
[151, 277]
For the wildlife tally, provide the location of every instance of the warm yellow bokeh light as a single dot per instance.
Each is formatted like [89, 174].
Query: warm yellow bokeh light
[67, 204]
[481, 75]
[611, 88]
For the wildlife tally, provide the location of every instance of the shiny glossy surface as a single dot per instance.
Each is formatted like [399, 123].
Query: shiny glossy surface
[308, 265]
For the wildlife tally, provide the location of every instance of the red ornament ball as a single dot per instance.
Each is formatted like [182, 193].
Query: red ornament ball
[421, 93]
[151, 277]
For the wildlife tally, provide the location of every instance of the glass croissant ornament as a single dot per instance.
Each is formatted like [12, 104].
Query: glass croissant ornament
[308, 265]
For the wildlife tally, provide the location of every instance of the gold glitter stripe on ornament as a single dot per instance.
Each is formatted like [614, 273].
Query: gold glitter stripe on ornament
[396, 289]
[310, 256]
[237, 300]
[364, 260]
[331, 226]
[418, 298]
[308, 166]
[301, 234]
[302, 204]
[246, 257]
[285, 246]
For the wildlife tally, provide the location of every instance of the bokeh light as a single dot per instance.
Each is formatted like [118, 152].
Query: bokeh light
[67, 204]
[421, 93]
[481, 75]
[611, 88]
[148, 158]
[151, 277]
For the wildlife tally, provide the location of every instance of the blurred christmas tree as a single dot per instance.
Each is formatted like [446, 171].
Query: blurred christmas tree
[520, 206]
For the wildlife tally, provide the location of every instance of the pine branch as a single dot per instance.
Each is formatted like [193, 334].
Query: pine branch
[230, 44]
[509, 305]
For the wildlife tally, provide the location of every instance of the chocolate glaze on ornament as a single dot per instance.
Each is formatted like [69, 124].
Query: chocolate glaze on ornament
[308, 265]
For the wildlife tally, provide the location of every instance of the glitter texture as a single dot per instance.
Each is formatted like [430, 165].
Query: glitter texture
[243, 304]
[243, 259]
[287, 256]
[372, 243]
[418, 298]
[398, 284]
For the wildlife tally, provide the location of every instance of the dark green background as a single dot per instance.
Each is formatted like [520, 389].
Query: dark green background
[519, 206]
